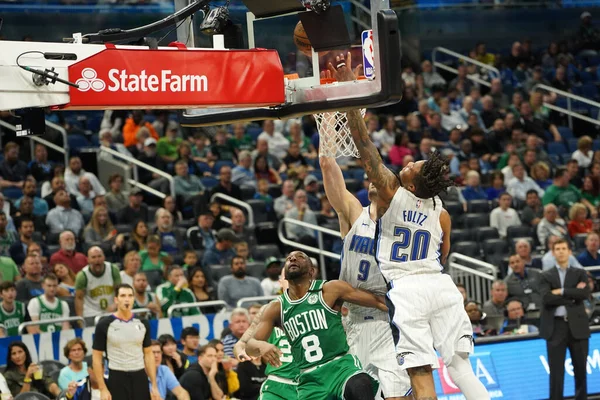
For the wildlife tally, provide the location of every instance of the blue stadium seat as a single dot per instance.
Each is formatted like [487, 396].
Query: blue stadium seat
[460, 235]
[478, 206]
[589, 91]
[572, 144]
[596, 145]
[555, 159]
[77, 142]
[253, 132]
[203, 167]
[219, 164]
[13, 193]
[318, 175]
[209, 182]
[475, 220]
[565, 132]
[556, 148]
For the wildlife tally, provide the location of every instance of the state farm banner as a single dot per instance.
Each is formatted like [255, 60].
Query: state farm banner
[181, 78]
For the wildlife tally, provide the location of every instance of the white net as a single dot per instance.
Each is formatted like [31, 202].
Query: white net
[335, 138]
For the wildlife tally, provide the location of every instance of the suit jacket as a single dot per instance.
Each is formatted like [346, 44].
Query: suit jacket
[572, 299]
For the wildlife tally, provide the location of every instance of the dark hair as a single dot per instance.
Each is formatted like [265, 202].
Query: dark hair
[155, 342]
[114, 177]
[595, 185]
[504, 194]
[236, 257]
[461, 285]
[432, 179]
[9, 362]
[166, 339]
[190, 276]
[560, 172]
[530, 191]
[189, 331]
[202, 349]
[256, 163]
[561, 241]
[214, 342]
[7, 285]
[22, 219]
[122, 286]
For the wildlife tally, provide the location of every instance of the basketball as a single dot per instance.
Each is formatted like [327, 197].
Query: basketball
[301, 40]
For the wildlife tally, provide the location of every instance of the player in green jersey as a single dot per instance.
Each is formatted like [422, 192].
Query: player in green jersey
[12, 312]
[309, 313]
[281, 383]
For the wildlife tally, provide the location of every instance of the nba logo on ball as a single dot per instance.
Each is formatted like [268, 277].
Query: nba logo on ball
[368, 54]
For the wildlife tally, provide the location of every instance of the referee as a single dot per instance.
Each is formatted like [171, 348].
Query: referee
[126, 342]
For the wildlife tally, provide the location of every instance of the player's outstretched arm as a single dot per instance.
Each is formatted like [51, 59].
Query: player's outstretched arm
[343, 202]
[239, 350]
[340, 291]
[258, 346]
[384, 180]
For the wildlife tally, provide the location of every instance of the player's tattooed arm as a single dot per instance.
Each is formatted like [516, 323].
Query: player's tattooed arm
[239, 350]
[384, 180]
[270, 317]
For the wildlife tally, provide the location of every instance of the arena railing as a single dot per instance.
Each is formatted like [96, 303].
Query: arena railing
[569, 110]
[52, 321]
[238, 203]
[138, 164]
[477, 278]
[255, 299]
[436, 64]
[64, 150]
[319, 250]
[199, 304]
[134, 312]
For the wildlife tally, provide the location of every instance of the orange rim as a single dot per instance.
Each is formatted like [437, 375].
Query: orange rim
[328, 81]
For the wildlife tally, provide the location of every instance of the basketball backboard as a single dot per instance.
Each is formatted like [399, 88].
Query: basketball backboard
[304, 93]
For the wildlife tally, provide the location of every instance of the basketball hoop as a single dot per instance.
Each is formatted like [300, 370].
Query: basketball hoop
[335, 138]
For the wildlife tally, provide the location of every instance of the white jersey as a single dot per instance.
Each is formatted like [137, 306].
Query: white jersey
[359, 268]
[409, 236]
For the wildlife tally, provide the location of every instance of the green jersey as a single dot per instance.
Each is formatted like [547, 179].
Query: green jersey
[288, 370]
[47, 313]
[314, 330]
[10, 321]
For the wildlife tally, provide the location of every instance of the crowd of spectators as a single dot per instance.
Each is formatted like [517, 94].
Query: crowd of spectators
[523, 181]
[185, 370]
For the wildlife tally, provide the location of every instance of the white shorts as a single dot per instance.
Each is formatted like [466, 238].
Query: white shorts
[428, 315]
[372, 343]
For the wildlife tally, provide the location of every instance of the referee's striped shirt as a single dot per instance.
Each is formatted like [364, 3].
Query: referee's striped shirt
[123, 342]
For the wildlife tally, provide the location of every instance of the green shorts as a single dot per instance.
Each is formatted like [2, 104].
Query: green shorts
[328, 381]
[275, 388]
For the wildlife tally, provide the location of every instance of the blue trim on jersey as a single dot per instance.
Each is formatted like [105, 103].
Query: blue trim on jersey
[439, 253]
[408, 393]
[342, 257]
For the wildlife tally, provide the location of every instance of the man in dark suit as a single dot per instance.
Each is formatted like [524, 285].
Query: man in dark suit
[564, 323]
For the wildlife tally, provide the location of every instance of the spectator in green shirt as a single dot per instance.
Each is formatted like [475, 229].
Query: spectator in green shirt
[152, 257]
[562, 194]
[166, 147]
[175, 291]
[199, 149]
[9, 270]
[240, 140]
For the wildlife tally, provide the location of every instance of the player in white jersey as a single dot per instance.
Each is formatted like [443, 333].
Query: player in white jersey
[368, 330]
[413, 236]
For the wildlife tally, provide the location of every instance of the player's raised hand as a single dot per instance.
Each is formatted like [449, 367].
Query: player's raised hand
[342, 70]
[271, 354]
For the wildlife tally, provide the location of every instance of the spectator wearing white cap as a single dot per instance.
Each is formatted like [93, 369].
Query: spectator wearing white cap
[151, 157]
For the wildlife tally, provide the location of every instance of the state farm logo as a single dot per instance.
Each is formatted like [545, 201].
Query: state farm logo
[122, 81]
[89, 80]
